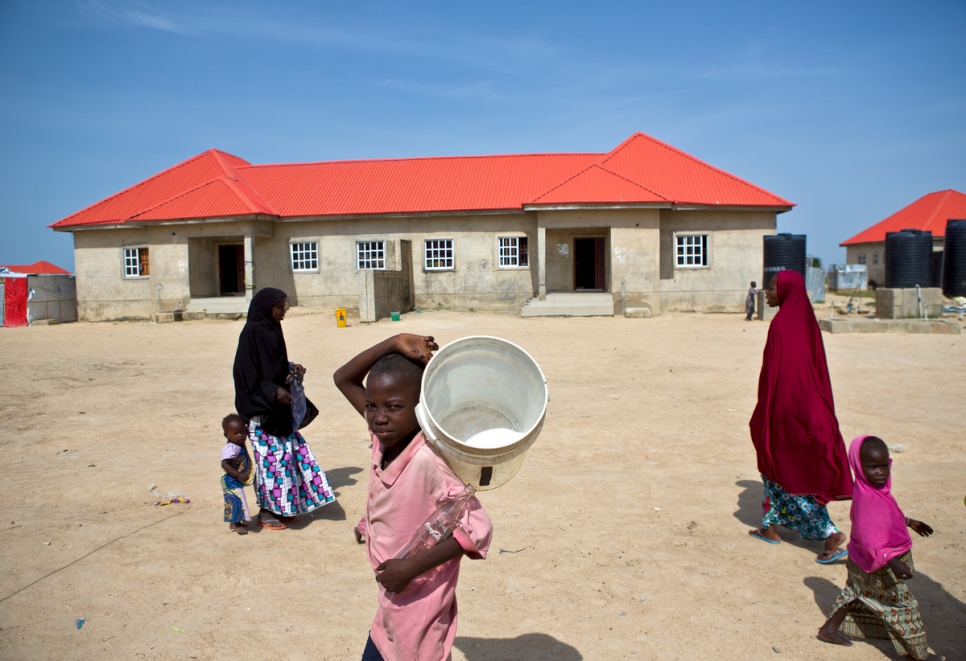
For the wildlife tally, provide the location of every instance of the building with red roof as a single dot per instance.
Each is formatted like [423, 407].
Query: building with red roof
[645, 223]
[928, 213]
[37, 268]
[36, 293]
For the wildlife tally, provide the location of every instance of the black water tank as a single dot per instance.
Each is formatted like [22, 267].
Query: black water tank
[954, 262]
[908, 259]
[783, 252]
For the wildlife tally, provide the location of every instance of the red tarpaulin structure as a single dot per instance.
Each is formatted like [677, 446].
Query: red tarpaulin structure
[14, 302]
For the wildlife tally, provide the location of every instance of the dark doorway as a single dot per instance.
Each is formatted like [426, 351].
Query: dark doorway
[231, 270]
[589, 272]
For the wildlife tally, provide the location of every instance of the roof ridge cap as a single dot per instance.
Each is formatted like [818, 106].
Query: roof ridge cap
[217, 180]
[234, 185]
[639, 185]
[696, 160]
[595, 164]
[420, 158]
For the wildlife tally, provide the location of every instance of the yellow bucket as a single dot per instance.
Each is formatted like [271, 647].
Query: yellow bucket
[340, 317]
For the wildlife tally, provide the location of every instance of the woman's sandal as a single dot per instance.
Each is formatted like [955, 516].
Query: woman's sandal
[239, 528]
[271, 524]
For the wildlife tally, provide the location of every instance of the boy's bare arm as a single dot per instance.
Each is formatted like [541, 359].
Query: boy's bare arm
[395, 575]
[348, 378]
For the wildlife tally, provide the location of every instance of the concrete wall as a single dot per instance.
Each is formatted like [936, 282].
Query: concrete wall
[476, 281]
[383, 292]
[103, 292]
[631, 251]
[735, 240]
[873, 255]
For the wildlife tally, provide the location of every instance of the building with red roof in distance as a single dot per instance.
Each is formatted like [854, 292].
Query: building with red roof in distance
[928, 213]
[36, 293]
[37, 268]
[642, 228]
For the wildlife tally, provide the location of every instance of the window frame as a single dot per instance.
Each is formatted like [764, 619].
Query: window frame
[451, 257]
[307, 254]
[515, 255]
[369, 250]
[142, 266]
[703, 250]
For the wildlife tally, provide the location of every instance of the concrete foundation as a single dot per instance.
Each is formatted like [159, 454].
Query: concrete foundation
[904, 303]
[857, 325]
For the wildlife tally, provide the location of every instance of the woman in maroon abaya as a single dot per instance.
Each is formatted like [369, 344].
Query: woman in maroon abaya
[801, 453]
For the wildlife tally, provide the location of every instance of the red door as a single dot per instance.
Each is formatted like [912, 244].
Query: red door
[15, 302]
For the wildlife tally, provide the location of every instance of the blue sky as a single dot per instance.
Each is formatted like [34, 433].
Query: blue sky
[850, 109]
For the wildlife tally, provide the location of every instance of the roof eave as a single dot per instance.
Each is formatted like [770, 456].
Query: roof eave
[403, 214]
[140, 224]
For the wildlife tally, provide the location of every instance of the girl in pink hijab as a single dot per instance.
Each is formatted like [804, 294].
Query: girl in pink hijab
[876, 602]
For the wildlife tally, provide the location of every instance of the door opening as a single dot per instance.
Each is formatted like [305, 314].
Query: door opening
[231, 269]
[589, 268]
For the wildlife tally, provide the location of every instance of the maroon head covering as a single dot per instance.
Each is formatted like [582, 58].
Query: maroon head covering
[794, 429]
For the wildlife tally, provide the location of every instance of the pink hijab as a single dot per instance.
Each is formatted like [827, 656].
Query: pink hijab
[794, 428]
[879, 530]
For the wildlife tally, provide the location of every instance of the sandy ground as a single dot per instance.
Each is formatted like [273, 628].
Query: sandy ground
[622, 537]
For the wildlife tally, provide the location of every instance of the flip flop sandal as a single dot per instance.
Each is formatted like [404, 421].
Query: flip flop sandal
[241, 530]
[837, 555]
[757, 535]
[272, 525]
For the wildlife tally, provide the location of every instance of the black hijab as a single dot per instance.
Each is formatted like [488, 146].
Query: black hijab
[261, 365]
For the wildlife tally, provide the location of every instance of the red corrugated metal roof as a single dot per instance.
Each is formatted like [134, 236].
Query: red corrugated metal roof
[215, 184]
[37, 268]
[414, 185]
[930, 212]
[682, 178]
[177, 181]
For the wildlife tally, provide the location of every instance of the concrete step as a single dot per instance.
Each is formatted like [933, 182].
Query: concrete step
[220, 304]
[582, 304]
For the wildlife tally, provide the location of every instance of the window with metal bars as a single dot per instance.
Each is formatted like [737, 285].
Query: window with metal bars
[513, 251]
[692, 250]
[439, 255]
[305, 256]
[137, 263]
[370, 255]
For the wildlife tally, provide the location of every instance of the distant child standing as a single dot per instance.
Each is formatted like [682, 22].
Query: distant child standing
[238, 473]
[875, 602]
[408, 481]
[750, 300]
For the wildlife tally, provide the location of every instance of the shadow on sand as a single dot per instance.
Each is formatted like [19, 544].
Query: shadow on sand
[342, 477]
[749, 513]
[943, 615]
[528, 647]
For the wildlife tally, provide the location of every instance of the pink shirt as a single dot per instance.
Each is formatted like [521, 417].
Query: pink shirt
[418, 624]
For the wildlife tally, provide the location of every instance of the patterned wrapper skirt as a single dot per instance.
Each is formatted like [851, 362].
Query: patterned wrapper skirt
[881, 606]
[801, 513]
[236, 505]
[288, 482]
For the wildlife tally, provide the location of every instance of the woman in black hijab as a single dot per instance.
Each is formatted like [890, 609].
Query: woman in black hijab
[288, 481]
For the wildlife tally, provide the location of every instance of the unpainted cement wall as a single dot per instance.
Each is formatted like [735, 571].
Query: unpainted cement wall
[735, 240]
[103, 292]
